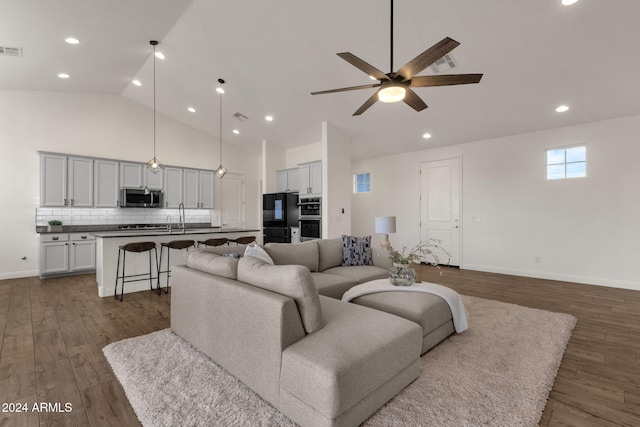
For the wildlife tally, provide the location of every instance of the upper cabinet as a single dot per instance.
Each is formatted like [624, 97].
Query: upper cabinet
[68, 181]
[106, 186]
[310, 178]
[130, 175]
[288, 180]
[198, 189]
[65, 181]
[172, 187]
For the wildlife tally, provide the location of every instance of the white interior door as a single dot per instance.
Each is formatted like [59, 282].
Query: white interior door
[233, 195]
[440, 206]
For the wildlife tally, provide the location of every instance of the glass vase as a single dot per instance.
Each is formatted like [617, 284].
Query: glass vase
[402, 275]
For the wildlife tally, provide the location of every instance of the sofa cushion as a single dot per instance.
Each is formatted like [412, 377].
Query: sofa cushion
[293, 281]
[305, 253]
[211, 263]
[330, 251]
[257, 251]
[357, 352]
[356, 250]
[359, 274]
[331, 285]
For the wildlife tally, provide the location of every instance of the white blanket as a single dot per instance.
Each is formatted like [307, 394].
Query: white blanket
[458, 310]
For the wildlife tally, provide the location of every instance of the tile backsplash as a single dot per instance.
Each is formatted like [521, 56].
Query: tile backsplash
[89, 216]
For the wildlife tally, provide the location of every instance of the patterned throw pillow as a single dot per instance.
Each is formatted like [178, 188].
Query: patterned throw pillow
[356, 250]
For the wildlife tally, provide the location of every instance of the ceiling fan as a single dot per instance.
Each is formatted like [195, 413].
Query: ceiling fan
[394, 87]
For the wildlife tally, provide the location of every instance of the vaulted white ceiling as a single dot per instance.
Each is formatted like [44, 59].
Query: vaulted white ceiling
[535, 55]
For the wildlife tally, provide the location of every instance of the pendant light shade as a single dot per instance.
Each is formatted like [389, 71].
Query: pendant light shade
[221, 171]
[154, 165]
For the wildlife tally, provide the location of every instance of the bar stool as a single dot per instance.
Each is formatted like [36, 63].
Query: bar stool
[243, 240]
[174, 244]
[213, 242]
[137, 247]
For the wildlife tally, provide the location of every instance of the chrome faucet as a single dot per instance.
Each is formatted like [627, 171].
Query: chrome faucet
[169, 223]
[181, 217]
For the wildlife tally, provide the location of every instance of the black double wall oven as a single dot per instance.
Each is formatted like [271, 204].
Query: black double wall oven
[310, 221]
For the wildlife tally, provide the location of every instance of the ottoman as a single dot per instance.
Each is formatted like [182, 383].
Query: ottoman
[431, 312]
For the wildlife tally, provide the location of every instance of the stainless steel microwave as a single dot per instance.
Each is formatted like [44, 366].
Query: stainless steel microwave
[141, 198]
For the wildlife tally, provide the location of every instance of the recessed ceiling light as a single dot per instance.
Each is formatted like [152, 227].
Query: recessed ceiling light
[426, 135]
[269, 118]
[236, 131]
[63, 75]
[191, 109]
[562, 109]
[569, 2]
[136, 82]
[219, 90]
[72, 40]
[159, 55]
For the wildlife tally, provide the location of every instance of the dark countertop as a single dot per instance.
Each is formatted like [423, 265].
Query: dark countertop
[174, 232]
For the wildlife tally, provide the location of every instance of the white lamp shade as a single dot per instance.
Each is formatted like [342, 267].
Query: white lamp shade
[385, 224]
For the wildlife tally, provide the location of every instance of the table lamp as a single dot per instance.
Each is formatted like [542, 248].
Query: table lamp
[385, 225]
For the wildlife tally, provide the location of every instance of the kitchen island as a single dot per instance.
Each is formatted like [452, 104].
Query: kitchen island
[107, 244]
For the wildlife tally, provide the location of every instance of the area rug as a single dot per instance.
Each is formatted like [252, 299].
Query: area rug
[499, 373]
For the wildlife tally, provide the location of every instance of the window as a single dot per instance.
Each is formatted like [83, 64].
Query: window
[568, 162]
[362, 183]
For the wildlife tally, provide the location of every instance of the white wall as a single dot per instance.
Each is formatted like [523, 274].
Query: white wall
[272, 160]
[303, 154]
[582, 230]
[336, 182]
[100, 125]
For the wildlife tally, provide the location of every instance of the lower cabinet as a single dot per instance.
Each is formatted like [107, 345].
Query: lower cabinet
[63, 254]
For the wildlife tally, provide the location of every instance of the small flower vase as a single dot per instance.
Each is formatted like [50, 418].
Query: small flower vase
[402, 275]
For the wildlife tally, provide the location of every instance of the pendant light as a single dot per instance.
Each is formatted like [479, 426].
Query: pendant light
[154, 165]
[221, 171]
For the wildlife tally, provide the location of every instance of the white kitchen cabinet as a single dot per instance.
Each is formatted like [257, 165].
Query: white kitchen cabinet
[198, 189]
[66, 181]
[206, 179]
[153, 181]
[172, 187]
[310, 178]
[191, 189]
[288, 180]
[82, 252]
[131, 175]
[63, 254]
[53, 180]
[80, 182]
[106, 187]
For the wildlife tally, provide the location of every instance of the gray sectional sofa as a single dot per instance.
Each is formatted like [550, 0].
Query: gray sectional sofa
[282, 330]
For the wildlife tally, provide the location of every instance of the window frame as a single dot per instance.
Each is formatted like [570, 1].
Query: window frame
[355, 182]
[565, 163]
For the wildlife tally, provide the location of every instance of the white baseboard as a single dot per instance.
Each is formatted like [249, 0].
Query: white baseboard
[18, 274]
[598, 281]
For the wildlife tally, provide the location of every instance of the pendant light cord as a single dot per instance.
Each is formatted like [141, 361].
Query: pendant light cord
[154, 101]
[220, 126]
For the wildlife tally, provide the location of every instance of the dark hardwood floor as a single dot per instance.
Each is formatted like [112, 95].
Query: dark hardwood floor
[53, 332]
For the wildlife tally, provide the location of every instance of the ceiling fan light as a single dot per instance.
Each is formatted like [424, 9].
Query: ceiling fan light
[392, 94]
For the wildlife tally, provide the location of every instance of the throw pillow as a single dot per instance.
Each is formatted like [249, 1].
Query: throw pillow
[257, 251]
[356, 250]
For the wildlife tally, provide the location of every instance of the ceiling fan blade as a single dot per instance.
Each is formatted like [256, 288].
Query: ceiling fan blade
[414, 101]
[363, 66]
[368, 103]
[344, 89]
[445, 80]
[427, 58]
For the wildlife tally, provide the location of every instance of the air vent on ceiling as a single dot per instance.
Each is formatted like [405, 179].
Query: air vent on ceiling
[10, 51]
[443, 64]
[240, 117]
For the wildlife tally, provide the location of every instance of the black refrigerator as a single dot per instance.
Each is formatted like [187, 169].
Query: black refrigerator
[279, 213]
